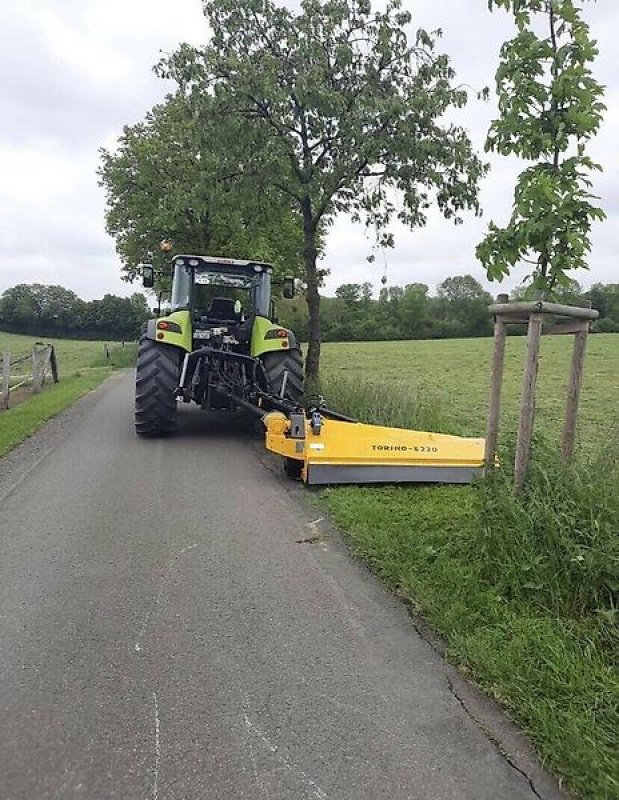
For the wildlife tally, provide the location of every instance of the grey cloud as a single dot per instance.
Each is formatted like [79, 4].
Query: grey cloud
[48, 100]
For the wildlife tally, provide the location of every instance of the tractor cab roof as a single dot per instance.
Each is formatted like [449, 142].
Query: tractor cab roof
[233, 266]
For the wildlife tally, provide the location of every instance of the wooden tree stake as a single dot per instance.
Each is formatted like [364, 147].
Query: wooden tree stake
[573, 393]
[496, 386]
[527, 401]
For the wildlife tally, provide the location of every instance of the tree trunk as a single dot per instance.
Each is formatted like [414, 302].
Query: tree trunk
[310, 253]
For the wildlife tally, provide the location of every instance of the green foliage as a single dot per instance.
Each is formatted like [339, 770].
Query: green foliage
[550, 106]
[37, 304]
[460, 309]
[328, 98]
[172, 177]
[605, 298]
[54, 311]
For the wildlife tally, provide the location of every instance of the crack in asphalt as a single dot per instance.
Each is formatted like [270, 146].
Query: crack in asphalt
[427, 638]
[499, 748]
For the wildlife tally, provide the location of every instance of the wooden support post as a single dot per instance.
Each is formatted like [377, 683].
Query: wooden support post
[36, 370]
[6, 378]
[527, 401]
[496, 386]
[54, 365]
[47, 354]
[573, 392]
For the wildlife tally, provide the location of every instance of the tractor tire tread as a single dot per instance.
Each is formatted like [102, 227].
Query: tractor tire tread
[275, 366]
[156, 379]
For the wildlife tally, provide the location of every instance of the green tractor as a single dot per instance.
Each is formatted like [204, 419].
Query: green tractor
[220, 346]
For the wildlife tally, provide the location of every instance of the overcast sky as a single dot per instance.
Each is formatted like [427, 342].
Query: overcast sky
[75, 71]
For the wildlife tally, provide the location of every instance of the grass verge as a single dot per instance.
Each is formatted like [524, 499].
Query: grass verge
[20, 422]
[523, 590]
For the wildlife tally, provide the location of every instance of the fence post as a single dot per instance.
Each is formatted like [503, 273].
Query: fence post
[36, 370]
[46, 362]
[527, 401]
[54, 365]
[6, 378]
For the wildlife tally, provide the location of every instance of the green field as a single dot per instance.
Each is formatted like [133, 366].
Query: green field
[523, 590]
[457, 371]
[72, 354]
[82, 365]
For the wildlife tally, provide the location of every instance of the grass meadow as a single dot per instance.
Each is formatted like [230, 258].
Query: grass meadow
[455, 373]
[522, 589]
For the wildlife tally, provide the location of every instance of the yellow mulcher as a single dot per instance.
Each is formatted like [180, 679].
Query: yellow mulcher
[321, 449]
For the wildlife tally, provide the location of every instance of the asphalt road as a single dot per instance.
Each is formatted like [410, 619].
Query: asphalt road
[166, 633]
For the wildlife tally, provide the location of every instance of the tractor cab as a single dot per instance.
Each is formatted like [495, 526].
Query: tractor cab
[223, 296]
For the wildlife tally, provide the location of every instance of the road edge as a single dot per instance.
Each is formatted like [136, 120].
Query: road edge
[26, 456]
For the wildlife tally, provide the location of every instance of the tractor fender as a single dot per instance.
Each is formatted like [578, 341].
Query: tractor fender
[178, 332]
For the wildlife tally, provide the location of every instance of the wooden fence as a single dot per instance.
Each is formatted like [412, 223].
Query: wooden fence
[29, 370]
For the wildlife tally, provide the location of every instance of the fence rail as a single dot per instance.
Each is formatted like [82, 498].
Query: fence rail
[27, 370]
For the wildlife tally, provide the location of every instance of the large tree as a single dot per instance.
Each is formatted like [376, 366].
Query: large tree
[465, 301]
[550, 106]
[348, 114]
[173, 177]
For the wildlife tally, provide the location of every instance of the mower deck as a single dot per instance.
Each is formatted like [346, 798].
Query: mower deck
[323, 451]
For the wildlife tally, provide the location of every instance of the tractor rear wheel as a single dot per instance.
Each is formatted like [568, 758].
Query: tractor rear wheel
[276, 364]
[156, 379]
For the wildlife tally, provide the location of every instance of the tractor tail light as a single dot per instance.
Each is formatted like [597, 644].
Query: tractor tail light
[170, 327]
[276, 333]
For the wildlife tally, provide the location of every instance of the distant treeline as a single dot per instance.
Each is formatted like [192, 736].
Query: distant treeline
[459, 309]
[41, 310]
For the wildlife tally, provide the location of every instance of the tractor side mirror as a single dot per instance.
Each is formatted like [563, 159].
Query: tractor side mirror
[288, 287]
[148, 276]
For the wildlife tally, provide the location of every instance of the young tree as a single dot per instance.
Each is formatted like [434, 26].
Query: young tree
[170, 177]
[347, 113]
[550, 107]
